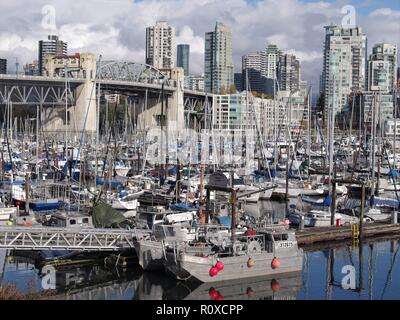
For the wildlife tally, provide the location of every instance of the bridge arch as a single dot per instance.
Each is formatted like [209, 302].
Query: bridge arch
[131, 72]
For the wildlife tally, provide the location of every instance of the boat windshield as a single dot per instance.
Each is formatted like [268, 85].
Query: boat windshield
[281, 237]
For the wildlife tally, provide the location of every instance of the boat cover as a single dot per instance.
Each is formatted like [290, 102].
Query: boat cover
[104, 216]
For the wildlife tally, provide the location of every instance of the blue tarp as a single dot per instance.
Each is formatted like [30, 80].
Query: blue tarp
[225, 221]
[327, 202]
[393, 173]
[182, 207]
[385, 202]
[114, 184]
[173, 171]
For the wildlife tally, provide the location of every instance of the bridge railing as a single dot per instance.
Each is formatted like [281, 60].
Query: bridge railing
[36, 78]
[77, 239]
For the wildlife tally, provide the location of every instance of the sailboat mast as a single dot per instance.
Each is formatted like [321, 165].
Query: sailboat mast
[97, 123]
[331, 142]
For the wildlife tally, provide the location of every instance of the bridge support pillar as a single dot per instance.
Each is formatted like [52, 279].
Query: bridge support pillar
[84, 117]
[176, 111]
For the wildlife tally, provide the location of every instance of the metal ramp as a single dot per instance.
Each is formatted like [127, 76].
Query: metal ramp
[42, 238]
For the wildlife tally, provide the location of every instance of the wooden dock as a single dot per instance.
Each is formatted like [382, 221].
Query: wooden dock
[333, 234]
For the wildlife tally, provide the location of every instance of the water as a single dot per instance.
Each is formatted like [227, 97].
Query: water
[378, 276]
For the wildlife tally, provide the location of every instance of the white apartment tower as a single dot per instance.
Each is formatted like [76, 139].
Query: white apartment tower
[270, 61]
[160, 45]
[344, 69]
[382, 68]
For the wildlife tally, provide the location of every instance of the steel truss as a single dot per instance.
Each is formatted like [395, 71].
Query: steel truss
[40, 238]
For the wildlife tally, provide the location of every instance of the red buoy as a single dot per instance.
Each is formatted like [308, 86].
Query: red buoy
[276, 263]
[220, 266]
[213, 293]
[275, 286]
[213, 272]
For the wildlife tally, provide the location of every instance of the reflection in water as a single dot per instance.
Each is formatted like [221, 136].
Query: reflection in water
[279, 288]
[377, 277]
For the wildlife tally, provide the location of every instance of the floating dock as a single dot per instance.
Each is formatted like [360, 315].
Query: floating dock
[332, 233]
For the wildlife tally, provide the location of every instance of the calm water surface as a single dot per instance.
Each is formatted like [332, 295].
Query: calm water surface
[377, 277]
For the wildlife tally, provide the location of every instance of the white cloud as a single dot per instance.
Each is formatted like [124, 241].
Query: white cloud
[116, 28]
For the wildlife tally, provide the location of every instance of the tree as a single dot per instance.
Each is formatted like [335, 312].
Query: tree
[232, 89]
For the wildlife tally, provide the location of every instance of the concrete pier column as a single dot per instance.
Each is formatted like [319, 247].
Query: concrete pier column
[176, 112]
[86, 98]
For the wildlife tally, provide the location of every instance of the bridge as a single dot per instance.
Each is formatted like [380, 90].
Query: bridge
[150, 89]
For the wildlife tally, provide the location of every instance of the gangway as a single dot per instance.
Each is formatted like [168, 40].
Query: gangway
[75, 239]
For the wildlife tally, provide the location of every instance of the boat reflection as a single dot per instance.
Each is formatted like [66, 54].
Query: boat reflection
[98, 283]
[285, 287]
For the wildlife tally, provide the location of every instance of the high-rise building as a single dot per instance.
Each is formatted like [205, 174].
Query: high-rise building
[251, 72]
[289, 73]
[382, 68]
[270, 61]
[238, 80]
[32, 69]
[160, 45]
[195, 83]
[52, 46]
[182, 59]
[344, 67]
[398, 80]
[3, 66]
[218, 61]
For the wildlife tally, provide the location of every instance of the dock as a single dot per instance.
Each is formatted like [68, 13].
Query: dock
[333, 234]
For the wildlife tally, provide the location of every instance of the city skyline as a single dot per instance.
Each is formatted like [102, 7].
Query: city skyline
[254, 24]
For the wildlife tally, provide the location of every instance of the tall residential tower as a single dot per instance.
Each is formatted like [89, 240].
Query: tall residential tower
[382, 67]
[218, 61]
[344, 69]
[53, 45]
[182, 58]
[160, 46]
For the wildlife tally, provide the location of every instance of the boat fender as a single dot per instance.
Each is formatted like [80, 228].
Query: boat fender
[220, 266]
[251, 263]
[275, 263]
[213, 272]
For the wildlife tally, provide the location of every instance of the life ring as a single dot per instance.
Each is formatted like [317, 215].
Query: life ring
[253, 248]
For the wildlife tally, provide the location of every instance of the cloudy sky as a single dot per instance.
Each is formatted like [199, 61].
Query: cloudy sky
[116, 28]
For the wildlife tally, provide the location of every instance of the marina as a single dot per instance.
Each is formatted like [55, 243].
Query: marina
[319, 279]
[249, 175]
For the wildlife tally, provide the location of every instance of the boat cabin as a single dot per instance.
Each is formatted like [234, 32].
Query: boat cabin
[70, 220]
[152, 216]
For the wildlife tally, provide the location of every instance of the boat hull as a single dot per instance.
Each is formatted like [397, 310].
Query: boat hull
[235, 267]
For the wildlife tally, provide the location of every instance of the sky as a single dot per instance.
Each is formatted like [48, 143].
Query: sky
[116, 28]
